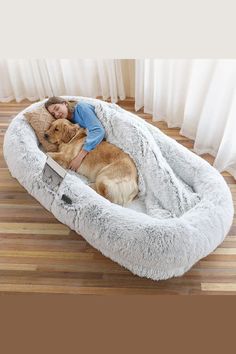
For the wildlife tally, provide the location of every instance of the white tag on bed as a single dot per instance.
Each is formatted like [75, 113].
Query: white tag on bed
[53, 173]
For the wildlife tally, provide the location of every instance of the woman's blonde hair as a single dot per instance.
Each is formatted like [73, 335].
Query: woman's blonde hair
[54, 100]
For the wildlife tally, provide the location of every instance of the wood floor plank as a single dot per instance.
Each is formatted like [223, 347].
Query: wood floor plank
[47, 254]
[57, 228]
[219, 286]
[56, 289]
[225, 251]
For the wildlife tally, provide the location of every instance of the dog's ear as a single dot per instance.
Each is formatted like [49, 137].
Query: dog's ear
[81, 133]
[68, 133]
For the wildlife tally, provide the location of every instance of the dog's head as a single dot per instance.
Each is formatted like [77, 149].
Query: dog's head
[62, 131]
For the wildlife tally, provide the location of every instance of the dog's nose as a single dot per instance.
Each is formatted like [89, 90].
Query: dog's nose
[46, 136]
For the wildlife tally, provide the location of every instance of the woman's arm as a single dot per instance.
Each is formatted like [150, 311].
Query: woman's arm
[76, 162]
[90, 121]
[87, 118]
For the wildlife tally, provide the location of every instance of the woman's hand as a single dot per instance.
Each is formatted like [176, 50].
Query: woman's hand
[76, 162]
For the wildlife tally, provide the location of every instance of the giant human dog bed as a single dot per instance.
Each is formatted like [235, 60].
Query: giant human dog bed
[183, 211]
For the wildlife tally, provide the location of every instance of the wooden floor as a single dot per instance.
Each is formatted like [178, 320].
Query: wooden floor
[38, 254]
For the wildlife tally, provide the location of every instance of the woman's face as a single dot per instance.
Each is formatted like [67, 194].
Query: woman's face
[58, 110]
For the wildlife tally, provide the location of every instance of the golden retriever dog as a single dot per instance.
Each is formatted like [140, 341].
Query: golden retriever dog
[112, 172]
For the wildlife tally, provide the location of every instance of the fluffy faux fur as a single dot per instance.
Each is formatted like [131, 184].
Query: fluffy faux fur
[190, 200]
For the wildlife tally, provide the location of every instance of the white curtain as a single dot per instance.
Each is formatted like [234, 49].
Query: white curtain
[199, 96]
[39, 78]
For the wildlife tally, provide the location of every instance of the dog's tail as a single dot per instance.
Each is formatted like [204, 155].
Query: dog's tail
[119, 191]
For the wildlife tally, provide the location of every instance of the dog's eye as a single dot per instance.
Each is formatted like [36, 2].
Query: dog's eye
[56, 129]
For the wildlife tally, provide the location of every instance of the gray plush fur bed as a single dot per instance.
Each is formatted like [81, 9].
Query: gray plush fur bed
[183, 211]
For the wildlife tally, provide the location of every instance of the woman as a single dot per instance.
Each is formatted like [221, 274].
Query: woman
[83, 114]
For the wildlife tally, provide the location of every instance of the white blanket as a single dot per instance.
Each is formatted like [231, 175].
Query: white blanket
[165, 195]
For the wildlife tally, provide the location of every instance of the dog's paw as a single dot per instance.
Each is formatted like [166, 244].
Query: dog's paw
[51, 154]
[93, 186]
